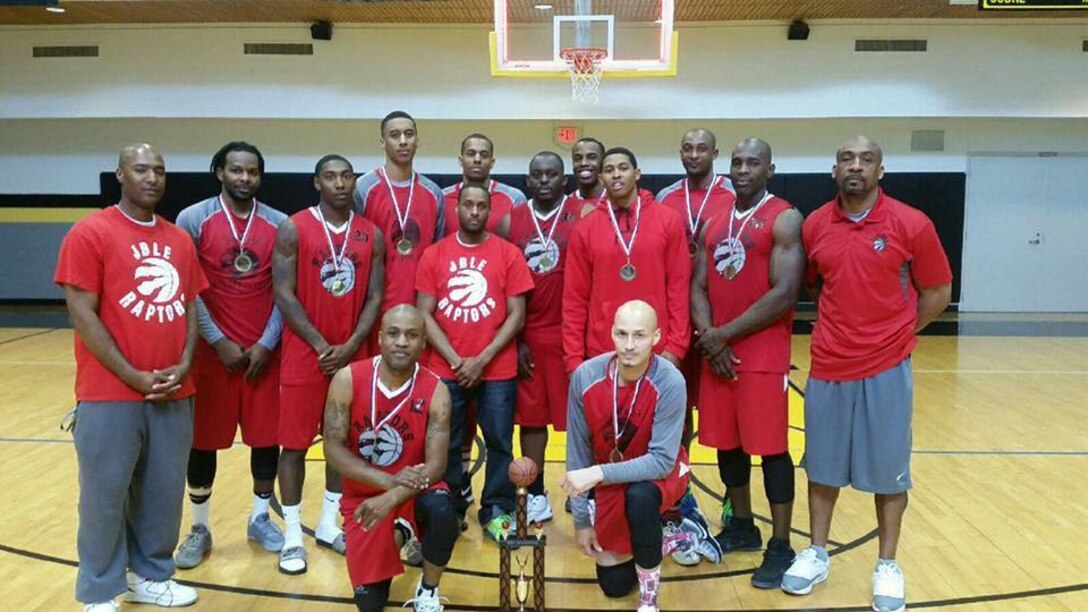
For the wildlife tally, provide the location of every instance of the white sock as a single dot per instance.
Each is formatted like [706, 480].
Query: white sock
[260, 506]
[292, 526]
[424, 591]
[329, 510]
[203, 509]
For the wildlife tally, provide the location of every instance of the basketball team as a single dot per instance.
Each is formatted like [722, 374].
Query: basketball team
[394, 318]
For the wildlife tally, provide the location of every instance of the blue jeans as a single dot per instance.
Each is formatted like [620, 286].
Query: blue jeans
[494, 401]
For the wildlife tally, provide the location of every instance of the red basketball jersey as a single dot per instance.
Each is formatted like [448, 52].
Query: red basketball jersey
[335, 317]
[400, 438]
[767, 350]
[545, 304]
[423, 225]
[634, 412]
[697, 206]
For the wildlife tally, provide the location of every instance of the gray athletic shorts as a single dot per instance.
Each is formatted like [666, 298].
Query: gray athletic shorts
[858, 432]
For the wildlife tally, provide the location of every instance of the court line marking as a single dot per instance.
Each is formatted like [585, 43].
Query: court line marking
[30, 335]
[1059, 590]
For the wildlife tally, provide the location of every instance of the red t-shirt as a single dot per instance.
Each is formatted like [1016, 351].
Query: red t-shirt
[688, 204]
[401, 440]
[470, 284]
[768, 349]
[240, 303]
[868, 303]
[504, 200]
[334, 317]
[544, 310]
[593, 289]
[153, 275]
[423, 226]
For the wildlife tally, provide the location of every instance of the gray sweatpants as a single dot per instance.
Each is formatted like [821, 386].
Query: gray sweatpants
[132, 460]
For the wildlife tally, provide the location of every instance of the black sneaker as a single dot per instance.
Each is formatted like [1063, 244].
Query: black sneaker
[776, 560]
[737, 537]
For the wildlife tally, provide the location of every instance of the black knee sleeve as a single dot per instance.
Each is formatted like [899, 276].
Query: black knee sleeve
[734, 467]
[201, 472]
[263, 462]
[617, 580]
[642, 508]
[778, 477]
[372, 597]
[439, 524]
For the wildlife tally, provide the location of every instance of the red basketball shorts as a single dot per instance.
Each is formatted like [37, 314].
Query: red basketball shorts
[373, 554]
[750, 412]
[302, 407]
[610, 524]
[542, 401]
[224, 401]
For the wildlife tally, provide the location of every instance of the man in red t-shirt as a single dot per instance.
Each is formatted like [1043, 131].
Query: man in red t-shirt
[585, 161]
[542, 230]
[879, 275]
[471, 289]
[328, 275]
[387, 431]
[632, 248]
[130, 280]
[748, 272]
[237, 366]
[477, 158]
[697, 197]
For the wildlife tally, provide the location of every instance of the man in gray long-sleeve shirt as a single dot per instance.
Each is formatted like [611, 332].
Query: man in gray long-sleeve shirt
[625, 416]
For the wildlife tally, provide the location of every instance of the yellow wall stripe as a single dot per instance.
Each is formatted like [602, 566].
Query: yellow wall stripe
[44, 215]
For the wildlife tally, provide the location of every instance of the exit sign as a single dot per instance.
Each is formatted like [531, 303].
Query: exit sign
[1031, 5]
[566, 135]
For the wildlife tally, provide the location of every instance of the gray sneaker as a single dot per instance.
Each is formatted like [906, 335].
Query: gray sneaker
[806, 571]
[264, 532]
[194, 548]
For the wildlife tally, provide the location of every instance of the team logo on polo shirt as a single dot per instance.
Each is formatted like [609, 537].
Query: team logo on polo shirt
[466, 299]
[157, 295]
[382, 448]
[880, 243]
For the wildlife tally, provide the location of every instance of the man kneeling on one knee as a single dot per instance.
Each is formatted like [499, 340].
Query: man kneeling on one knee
[625, 418]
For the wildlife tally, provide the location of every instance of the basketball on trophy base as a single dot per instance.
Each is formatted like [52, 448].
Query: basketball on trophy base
[523, 472]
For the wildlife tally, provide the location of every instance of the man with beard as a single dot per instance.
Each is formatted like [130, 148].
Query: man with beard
[542, 230]
[472, 287]
[237, 367]
[747, 275]
[328, 275]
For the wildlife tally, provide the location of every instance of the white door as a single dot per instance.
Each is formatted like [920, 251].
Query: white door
[1024, 245]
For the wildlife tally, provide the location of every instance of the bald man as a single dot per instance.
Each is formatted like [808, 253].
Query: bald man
[625, 417]
[387, 431]
[130, 280]
[878, 274]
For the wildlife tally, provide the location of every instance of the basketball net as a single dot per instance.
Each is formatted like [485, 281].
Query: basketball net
[584, 66]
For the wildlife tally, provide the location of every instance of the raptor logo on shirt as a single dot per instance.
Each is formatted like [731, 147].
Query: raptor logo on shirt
[466, 299]
[382, 448]
[157, 296]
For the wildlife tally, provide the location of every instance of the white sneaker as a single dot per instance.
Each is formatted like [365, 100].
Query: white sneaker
[426, 604]
[537, 509]
[105, 606]
[685, 554]
[806, 571]
[889, 588]
[165, 593]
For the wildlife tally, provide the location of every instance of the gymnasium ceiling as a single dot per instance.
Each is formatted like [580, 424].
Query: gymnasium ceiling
[476, 11]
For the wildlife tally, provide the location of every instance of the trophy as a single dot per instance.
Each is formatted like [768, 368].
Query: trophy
[523, 472]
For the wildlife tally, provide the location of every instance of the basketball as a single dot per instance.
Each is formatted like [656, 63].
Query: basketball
[523, 471]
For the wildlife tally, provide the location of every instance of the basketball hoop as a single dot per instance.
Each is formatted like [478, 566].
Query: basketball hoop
[584, 66]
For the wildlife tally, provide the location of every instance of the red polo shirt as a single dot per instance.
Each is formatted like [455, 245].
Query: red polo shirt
[870, 269]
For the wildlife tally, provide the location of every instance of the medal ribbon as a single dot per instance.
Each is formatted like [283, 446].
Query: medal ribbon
[555, 222]
[747, 217]
[626, 246]
[374, 423]
[230, 222]
[616, 431]
[401, 219]
[336, 258]
[693, 222]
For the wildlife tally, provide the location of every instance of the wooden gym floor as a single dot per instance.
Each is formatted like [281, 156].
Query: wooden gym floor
[997, 521]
